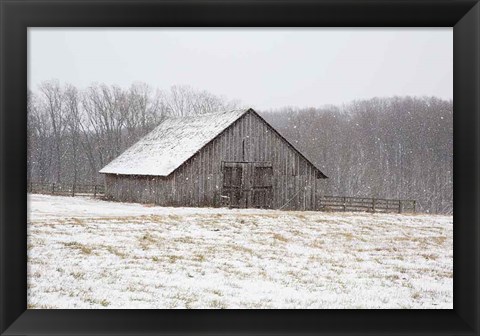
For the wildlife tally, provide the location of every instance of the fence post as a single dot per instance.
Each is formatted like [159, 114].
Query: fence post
[73, 190]
[95, 191]
[53, 188]
[399, 206]
[344, 204]
[373, 204]
[414, 206]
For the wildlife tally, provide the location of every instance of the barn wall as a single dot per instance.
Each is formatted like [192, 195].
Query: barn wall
[198, 182]
[126, 188]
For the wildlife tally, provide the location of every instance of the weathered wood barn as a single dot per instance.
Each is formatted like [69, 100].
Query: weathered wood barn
[231, 158]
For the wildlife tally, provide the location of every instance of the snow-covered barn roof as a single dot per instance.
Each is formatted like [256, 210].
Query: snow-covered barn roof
[172, 143]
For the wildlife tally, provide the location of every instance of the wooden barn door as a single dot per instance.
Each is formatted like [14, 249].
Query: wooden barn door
[248, 184]
[261, 193]
[233, 182]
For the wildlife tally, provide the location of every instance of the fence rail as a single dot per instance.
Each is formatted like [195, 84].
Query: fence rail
[66, 189]
[341, 203]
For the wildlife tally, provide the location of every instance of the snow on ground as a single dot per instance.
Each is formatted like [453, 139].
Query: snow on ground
[89, 253]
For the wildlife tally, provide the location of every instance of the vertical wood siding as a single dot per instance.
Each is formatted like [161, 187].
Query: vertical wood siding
[198, 182]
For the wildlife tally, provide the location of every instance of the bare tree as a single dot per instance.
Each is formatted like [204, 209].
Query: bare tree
[73, 121]
[183, 101]
[144, 111]
[53, 105]
[105, 118]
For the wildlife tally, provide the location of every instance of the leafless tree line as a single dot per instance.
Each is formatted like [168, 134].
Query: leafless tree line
[399, 147]
[73, 133]
[383, 147]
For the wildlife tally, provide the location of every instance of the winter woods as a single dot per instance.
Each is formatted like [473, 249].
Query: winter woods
[73, 133]
[398, 147]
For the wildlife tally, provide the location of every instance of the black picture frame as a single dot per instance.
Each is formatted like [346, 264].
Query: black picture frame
[17, 15]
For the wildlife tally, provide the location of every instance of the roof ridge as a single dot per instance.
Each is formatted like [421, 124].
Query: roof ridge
[194, 116]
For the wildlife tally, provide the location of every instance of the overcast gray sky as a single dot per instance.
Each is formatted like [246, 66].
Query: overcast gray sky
[264, 68]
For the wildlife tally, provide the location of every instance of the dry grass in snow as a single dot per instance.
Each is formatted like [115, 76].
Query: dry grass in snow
[86, 253]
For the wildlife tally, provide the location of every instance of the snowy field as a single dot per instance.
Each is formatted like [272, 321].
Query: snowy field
[87, 253]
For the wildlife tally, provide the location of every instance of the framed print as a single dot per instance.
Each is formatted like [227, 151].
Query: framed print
[118, 168]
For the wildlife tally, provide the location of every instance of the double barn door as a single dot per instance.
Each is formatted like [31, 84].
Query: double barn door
[248, 184]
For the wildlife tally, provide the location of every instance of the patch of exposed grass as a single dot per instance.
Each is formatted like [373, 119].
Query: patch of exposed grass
[79, 246]
[148, 237]
[393, 277]
[430, 256]
[103, 302]
[318, 243]
[173, 258]
[123, 219]
[146, 240]
[297, 233]
[347, 235]
[76, 220]
[137, 287]
[115, 251]
[37, 274]
[263, 274]
[279, 237]
[186, 298]
[422, 241]
[446, 274]
[439, 240]
[218, 304]
[78, 275]
[175, 217]
[185, 240]
[240, 248]
[217, 292]
[416, 295]
[300, 215]
[42, 306]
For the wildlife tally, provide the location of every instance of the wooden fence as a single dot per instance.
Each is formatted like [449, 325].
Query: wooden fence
[341, 203]
[324, 203]
[66, 189]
